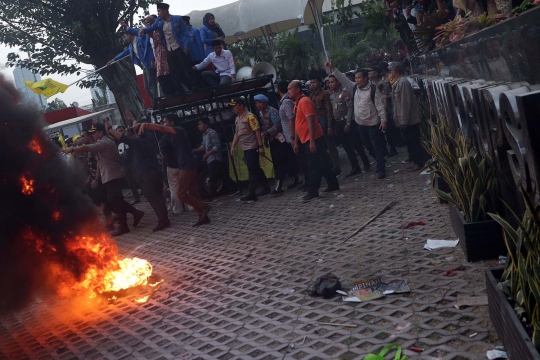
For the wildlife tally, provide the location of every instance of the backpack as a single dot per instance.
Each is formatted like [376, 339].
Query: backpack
[383, 352]
[373, 91]
[326, 286]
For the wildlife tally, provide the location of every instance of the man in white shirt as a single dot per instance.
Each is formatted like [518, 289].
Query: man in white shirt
[225, 72]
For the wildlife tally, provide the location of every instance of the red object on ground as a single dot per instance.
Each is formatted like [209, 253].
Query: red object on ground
[64, 114]
[415, 349]
[452, 272]
[414, 224]
[146, 99]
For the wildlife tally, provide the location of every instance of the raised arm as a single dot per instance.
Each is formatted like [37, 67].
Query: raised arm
[344, 81]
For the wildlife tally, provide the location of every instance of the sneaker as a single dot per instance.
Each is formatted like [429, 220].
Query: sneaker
[249, 197]
[264, 191]
[276, 192]
[393, 153]
[382, 175]
[309, 197]
[331, 189]
[162, 226]
[120, 231]
[336, 171]
[353, 172]
[137, 218]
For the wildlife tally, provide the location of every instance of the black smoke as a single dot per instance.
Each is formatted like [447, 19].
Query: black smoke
[35, 228]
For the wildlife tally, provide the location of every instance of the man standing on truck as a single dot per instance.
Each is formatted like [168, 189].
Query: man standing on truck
[248, 132]
[186, 188]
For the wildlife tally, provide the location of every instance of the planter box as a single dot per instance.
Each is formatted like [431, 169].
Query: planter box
[479, 241]
[517, 343]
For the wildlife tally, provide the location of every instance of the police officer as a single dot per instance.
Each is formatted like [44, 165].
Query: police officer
[248, 133]
[342, 105]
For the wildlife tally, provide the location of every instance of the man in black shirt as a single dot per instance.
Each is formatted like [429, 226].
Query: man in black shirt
[147, 170]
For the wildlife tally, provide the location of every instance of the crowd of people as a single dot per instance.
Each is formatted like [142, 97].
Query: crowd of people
[377, 112]
[171, 52]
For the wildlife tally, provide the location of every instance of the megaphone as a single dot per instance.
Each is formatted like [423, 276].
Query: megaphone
[244, 73]
[263, 69]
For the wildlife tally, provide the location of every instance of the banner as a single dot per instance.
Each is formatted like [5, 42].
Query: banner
[46, 87]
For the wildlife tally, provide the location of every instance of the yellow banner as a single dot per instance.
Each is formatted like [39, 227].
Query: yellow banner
[241, 166]
[46, 87]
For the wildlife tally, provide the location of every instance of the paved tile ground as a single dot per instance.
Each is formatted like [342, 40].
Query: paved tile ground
[224, 292]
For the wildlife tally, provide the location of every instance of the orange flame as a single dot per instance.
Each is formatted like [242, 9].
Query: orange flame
[27, 185]
[35, 147]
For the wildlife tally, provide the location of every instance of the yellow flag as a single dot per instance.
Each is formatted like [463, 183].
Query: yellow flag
[46, 87]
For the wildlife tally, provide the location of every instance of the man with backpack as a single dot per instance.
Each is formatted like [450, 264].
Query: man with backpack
[369, 112]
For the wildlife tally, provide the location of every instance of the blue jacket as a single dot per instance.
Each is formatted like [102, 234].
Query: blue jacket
[144, 50]
[207, 36]
[179, 30]
[196, 49]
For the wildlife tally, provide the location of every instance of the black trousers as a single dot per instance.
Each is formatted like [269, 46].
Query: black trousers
[180, 70]
[283, 158]
[319, 165]
[256, 174]
[374, 136]
[99, 197]
[166, 83]
[393, 135]
[152, 185]
[413, 139]
[132, 181]
[215, 171]
[117, 202]
[347, 141]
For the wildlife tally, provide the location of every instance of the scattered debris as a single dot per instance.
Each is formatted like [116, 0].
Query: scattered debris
[326, 286]
[496, 354]
[452, 272]
[373, 288]
[428, 182]
[502, 260]
[370, 220]
[296, 345]
[320, 260]
[396, 171]
[473, 335]
[425, 172]
[437, 244]
[471, 301]
[415, 349]
[450, 258]
[435, 262]
[390, 185]
[287, 291]
[340, 196]
[427, 188]
[417, 223]
[338, 324]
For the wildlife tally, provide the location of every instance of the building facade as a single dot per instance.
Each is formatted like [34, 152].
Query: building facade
[28, 97]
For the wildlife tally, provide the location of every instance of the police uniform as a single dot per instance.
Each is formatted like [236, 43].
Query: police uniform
[343, 107]
[247, 126]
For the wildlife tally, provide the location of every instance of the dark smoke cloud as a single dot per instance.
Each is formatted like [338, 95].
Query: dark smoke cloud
[31, 240]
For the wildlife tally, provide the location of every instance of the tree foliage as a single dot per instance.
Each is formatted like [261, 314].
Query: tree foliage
[296, 57]
[61, 35]
[56, 104]
[255, 48]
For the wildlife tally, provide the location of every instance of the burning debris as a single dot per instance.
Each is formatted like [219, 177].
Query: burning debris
[51, 239]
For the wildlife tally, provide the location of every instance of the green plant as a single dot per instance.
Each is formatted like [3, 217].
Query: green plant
[521, 278]
[297, 56]
[471, 178]
[425, 32]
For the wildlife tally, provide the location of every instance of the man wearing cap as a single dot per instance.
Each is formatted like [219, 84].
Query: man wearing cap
[175, 38]
[111, 175]
[248, 133]
[342, 105]
[369, 112]
[272, 133]
[196, 49]
[186, 186]
[225, 72]
[309, 133]
[407, 116]
[142, 55]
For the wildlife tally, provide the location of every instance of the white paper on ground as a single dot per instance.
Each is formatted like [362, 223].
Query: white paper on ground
[436, 244]
[496, 354]
[425, 172]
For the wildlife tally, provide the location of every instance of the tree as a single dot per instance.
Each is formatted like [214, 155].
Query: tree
[56, 31]
[56, 104]
[254, 48]
[100, 95]
[296, 57]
